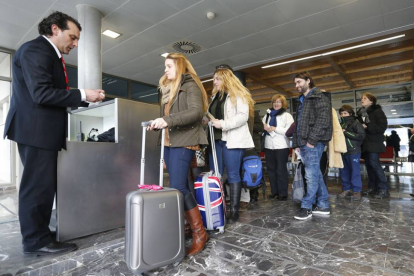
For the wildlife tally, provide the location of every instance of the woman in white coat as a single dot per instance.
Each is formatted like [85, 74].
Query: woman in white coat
[231, 107]
[276, 122]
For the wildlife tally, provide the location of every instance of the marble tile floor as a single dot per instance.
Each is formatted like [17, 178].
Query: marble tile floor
[370, 237]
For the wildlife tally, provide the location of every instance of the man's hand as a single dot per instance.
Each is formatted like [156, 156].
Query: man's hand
[310, 145]
[412, 130]
[364, 125]
[216, 123]
[94, 95]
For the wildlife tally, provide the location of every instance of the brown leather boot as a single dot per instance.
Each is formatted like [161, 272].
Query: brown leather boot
[200, 236]
[357, 196]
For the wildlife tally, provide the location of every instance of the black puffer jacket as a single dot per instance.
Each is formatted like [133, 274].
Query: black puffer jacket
[374, 133]
[354, 134]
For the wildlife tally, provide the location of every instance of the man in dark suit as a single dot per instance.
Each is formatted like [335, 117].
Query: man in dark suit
[37, 122]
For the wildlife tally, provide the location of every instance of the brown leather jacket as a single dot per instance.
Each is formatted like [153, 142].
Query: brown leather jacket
[184, 120]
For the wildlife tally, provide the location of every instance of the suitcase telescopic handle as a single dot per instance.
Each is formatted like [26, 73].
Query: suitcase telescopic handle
[144, 132]
[213, 148]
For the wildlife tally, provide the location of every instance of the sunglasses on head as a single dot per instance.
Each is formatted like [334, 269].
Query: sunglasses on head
[224, 66]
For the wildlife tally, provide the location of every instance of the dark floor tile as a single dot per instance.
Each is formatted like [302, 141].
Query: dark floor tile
[400, 264]
[401, 248]
[345, 267]
[355, 254]
[361, 239]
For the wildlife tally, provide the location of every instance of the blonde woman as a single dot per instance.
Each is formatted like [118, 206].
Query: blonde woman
[231, 106]
[275, 123]
[184, 101]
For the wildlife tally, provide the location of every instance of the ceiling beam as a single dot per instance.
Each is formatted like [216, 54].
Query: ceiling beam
[380, 66]
[287, 73]
[401, 79]
[340, 72]
[382, 75]
[375, 55]
[269, 84]
[412, 68]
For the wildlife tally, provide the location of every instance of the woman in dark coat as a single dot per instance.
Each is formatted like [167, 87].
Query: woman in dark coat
[374, 121]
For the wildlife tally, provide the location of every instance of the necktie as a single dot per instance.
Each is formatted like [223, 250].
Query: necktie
[66, 75]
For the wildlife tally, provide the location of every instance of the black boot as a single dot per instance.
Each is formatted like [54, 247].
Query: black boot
[369, 192]
[235, 192]
[254, 196]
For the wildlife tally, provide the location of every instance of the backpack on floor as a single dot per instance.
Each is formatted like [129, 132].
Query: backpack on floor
[252, 173]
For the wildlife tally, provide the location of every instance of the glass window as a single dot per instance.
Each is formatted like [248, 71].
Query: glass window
[72, 76]
[388, 93]
[5, 145]
[4, 64]
[115, 86]
[144, 93]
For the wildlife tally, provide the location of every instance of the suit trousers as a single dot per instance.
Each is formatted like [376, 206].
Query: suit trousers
[37, 191]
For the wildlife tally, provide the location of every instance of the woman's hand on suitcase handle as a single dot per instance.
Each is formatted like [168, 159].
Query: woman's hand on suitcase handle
[158, 123]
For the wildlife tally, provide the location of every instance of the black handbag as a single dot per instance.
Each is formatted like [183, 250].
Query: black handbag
[107, 136]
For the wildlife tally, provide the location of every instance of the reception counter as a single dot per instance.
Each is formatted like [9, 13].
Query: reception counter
[95, 177]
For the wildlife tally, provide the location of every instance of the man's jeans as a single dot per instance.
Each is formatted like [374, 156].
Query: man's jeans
[311, 158]
[376, 175]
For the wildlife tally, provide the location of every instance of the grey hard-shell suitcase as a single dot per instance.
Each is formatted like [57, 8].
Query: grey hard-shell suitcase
[154, 225]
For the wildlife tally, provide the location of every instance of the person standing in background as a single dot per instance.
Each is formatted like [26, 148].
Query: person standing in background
[231, 107]
[37, 122]
[313, 130]
[276, 122]
[394, 141]
[374, 121]
[351, 172]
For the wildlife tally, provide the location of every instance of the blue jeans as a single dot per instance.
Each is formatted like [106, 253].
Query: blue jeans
[178, 162]
[316, 189]
[376, 175]
[229, 158]
[351, 173]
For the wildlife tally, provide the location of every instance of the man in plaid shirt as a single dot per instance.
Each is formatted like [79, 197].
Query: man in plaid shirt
[313, 131]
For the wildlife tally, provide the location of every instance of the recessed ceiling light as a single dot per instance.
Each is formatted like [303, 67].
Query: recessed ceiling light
[165, 55]
[362, 45]
[393, 110]
[394, 113]
[290, 61]
[206, 80]
[111, 34]
[334, 52]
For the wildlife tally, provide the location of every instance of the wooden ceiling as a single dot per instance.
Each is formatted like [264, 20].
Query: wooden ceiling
[385, 63]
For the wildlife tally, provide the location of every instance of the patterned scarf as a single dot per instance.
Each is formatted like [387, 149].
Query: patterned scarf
[362, 112]
[165, 91]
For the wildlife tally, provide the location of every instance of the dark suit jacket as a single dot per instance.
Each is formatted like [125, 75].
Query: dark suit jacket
[37, 115]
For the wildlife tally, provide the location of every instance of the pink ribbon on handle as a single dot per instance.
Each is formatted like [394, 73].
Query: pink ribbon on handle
[150, 187]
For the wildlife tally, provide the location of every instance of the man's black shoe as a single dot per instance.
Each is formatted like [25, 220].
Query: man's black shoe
[272, 196]
[54, 247]
[303, 214]
[369, 192]
[282, 198]
[382, 194]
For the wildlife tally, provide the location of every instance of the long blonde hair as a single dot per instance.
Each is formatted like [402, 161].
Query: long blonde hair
[234, 88]
[182, 66]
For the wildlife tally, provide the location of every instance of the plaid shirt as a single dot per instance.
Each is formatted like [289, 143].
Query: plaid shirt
[315, 122]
